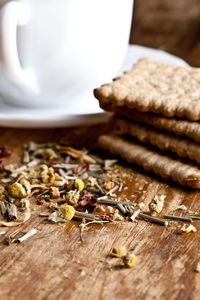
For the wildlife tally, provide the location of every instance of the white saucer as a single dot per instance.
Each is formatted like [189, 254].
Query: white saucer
[84, 114]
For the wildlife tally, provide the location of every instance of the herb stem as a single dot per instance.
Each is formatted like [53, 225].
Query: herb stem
[113, 202]
[177, 218]
[153, 219]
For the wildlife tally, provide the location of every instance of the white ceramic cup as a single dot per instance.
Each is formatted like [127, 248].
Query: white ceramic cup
[56, 50]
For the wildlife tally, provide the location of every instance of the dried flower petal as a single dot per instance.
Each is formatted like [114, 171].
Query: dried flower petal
[103, 216]
[4, 151]
[51, 175]
[80, 168]
[88, 199]
[1, 166]
[130, 260]
[79, 184]
[157, 203]
[47, 154]
[119, 251]
[188, 228]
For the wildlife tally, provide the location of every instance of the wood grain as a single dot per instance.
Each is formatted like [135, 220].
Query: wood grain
[51, 268]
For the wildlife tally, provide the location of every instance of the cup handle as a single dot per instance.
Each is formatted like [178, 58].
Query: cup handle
[12, 15]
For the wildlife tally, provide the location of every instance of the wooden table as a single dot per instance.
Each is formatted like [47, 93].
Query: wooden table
[60, 266]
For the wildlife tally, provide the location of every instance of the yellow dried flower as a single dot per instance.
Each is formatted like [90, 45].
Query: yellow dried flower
[79, 184]
[130, 260]
[157, 203]
[72, 197]
[44, 173]
[68, 211]
[2, 197]
[51, 175]
[17, 190]
[119, 251]
[159, 198]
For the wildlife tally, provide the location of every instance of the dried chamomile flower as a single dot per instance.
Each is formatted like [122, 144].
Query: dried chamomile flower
[130, 260]
[44, 173]
[67, 211]
[79, 184]
[22, 204]
[72, 197]
[47, 174]
[16, 190]
[157, 203]
[188, 228]
[159, 198]
[119, 251]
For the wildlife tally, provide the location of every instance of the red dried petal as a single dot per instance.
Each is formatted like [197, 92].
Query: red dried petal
[103, 216]
[4, 152]
[5, 186]
[80, 168]
[1, 166]
[88, 199]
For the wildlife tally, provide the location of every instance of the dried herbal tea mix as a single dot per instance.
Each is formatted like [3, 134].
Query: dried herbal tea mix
[71, 184]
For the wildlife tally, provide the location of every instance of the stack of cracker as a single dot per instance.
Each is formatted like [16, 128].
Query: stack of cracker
[156, 110]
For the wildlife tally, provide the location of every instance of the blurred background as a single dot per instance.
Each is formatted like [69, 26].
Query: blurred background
[170, 25]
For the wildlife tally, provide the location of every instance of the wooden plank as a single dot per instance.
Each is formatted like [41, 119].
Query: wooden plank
[60, 266]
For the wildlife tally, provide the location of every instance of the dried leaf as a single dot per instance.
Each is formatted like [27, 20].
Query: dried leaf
[27, 215]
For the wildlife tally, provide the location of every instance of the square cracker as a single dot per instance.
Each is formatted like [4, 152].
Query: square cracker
[158, 87]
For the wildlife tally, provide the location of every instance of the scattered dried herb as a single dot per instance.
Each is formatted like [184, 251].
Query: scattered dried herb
[188, 228]
[130, 260]
[177, 218]
[119, 251]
